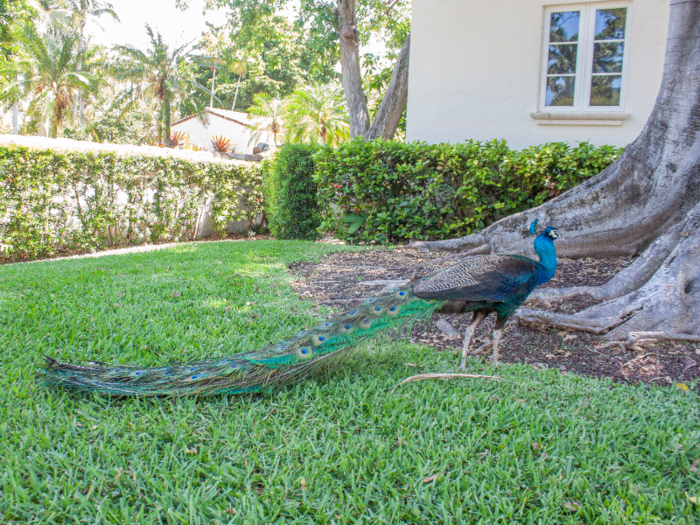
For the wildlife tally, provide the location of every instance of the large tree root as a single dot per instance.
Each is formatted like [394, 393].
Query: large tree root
[668, 302]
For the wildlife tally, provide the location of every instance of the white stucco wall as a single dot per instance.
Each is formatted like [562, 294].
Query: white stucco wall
[238, 134]
[475, 72]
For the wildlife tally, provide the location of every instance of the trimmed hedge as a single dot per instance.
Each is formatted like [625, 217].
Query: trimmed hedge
[387, 191]
[290, 193]
[56, 201]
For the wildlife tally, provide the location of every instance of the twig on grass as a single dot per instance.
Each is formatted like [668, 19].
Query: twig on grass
[445, 377]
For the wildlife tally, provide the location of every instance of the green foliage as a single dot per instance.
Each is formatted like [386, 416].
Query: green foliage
[290, 193]
[390, 191]
[122, 200]
[317, 114]
[165, 74]
[114, 126]
[539, 447]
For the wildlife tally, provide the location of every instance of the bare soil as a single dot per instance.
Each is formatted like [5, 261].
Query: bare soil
[340, 281]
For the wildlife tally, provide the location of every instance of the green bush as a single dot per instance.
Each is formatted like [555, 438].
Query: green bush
[290, 193]
[56, 201]
[386, 191]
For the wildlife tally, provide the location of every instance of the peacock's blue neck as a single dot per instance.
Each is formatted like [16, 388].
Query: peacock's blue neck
[544, 247]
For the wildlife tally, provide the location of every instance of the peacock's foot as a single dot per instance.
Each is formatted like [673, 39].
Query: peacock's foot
[495, 363]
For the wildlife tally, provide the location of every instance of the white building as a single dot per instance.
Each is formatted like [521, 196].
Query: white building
[532, 72]
[233, 125]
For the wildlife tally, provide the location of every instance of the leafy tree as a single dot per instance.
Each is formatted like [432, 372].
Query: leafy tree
[317, 114]
[320, 26]
[48, 73]
[267, 116]
[84, 10]
[166, 75]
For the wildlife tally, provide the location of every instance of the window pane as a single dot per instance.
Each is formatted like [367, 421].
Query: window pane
[560, 91]
[605, 90]
[564, 26]
[607, 58]
[610, 24]
[562, 59]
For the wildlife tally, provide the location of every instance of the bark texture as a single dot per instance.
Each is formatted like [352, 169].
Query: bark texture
[350, 64]
[389, 113]
[647, 202]
[387, 118]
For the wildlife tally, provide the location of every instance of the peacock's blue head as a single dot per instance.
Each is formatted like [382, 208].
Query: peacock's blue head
[551, 232]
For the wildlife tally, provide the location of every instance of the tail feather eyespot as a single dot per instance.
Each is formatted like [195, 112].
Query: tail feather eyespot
[366, 323]
[319, 339]
[304, 352]
[393, 310]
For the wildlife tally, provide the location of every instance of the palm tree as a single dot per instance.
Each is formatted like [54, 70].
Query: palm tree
[48, 73]
[166, 75]
[83, 11]
[317, 113]
[266, 114]
[240, 68]
[215, 43]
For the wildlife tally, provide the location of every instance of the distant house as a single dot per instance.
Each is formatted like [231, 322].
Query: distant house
[534, 71]
[233, 125]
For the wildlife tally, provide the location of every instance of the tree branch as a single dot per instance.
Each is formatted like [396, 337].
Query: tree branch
[389, 113]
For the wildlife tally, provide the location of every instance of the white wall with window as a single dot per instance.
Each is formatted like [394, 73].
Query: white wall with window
[533, 72]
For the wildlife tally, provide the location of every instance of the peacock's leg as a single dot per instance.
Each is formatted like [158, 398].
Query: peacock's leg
[496, 338]
[479, 316]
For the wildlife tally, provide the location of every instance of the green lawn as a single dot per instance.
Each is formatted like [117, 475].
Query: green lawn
[540, 447]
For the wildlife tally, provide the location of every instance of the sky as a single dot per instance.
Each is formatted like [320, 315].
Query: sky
[177, 27]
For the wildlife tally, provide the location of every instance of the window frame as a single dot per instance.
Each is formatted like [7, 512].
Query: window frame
[584, 58]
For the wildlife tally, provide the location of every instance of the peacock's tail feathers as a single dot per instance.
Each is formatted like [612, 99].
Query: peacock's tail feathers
[322, 347]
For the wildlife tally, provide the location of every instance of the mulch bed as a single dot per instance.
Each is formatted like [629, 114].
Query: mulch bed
[339, 280]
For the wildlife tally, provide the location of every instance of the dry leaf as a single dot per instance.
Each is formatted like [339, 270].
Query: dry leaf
[535, 445]
[228, 308]
[432, 478]
[570, 336]
[94, 427]
[693, 499]
[410, 364]
[682, 386]
[302, 482]
[192, 450]
[176, 294]
[574, 506]
[694, 466]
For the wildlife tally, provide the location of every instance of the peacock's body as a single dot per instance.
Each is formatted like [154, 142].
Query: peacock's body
[487, 284]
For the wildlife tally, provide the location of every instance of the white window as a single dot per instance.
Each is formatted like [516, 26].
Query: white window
[585, 57]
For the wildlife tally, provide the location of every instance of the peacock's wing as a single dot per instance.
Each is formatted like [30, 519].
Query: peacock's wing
[489, 278]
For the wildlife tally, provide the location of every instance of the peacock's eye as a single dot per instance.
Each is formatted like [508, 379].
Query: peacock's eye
[377, 308]
[304, 351]
[392, 309]
[195, 376]
[348, 326]
[402, 294]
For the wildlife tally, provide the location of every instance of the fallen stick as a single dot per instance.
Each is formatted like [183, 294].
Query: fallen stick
[444, 377]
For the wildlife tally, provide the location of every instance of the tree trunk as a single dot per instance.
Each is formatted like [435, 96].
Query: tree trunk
[213, 86]
[80, 102]
[350, 65]
[166, 123]
[394, 102]
[647, 201]
[15, 118]
[233, 108]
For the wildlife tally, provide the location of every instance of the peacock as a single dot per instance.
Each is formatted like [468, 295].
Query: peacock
[493, 283]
